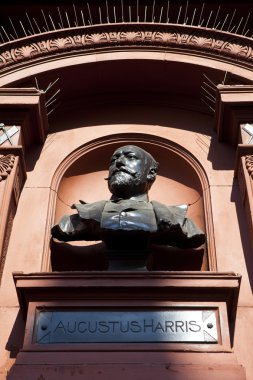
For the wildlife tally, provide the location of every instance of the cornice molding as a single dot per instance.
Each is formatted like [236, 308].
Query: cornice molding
[190, 39]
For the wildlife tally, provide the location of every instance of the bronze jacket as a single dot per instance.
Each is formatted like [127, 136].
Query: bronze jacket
[130, 223]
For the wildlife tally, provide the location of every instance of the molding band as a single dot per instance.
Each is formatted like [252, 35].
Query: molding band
[209, 42]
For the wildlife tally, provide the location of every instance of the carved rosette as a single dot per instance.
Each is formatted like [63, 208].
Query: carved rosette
[95, 38]
[6, 165]
[201, 41]
[92, 37]
[168, 38]
[238, 48]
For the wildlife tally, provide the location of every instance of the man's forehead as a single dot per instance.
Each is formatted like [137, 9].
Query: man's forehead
[129, 149]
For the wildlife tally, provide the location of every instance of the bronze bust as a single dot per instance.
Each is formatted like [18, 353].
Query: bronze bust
[128, 221]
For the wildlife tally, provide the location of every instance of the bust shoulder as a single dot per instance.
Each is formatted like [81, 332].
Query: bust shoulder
[90, 210]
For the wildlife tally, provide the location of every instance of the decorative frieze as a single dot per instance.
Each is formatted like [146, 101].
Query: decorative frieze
[94, 37]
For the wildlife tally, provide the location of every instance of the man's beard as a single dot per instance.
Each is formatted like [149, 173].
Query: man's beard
[123, 184]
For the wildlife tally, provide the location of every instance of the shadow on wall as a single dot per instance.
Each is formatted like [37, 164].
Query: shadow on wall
[150, 114]
[15, 341]
[221, 155]
[119, 112]
[244, 230]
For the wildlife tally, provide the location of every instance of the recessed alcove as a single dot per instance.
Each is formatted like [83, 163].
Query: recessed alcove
[180, 180]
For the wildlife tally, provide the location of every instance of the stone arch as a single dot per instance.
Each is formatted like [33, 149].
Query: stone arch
[81, 174]
[60, 45]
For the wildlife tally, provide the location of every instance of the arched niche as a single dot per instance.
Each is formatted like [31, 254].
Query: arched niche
[181, 180]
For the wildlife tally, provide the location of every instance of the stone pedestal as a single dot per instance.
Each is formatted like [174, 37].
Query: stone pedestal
[100, 325]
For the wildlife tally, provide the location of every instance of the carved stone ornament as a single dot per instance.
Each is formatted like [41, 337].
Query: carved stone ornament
[6, 165]
[209, 42]
[249, 164]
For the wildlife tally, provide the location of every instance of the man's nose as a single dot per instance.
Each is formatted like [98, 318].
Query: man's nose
[120, 161]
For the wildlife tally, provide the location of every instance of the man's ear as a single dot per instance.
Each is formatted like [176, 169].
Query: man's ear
[152, 174]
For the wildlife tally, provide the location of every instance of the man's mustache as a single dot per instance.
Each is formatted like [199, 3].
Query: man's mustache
[122, 169]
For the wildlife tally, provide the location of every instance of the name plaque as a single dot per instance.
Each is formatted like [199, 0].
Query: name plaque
[128, 326]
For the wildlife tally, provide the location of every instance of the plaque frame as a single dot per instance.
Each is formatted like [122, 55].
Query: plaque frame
[130, 325]
[223, 342]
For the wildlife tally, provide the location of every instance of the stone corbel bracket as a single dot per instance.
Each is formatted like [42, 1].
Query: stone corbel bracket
[25, 107]
[6, 164]
[12, 179]
[234, 107]
[244, 172]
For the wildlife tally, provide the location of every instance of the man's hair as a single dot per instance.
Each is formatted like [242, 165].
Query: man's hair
[153, 165]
